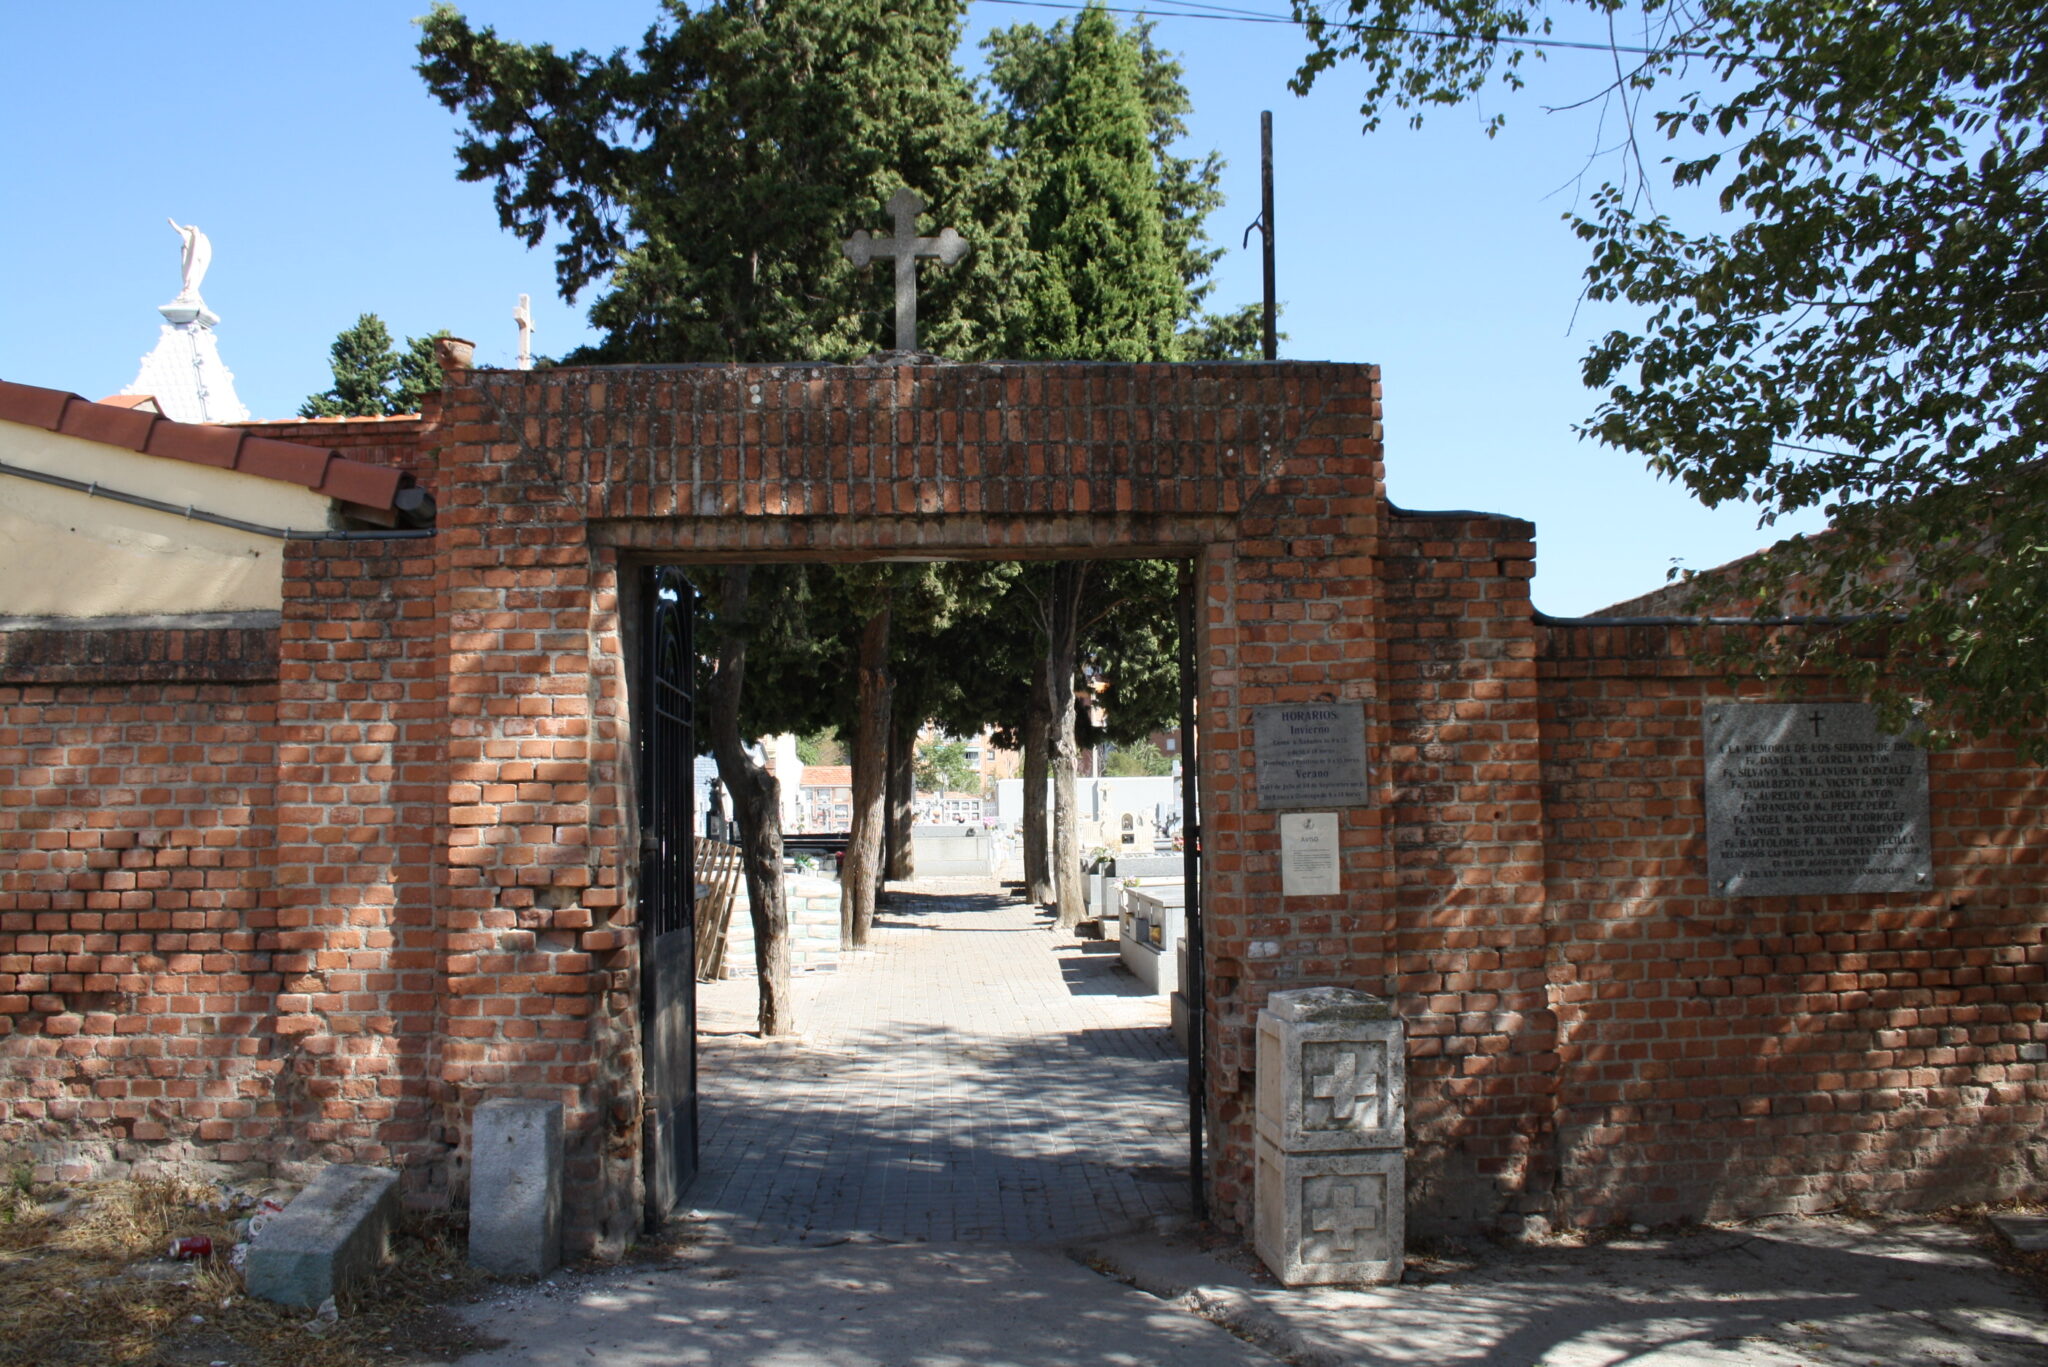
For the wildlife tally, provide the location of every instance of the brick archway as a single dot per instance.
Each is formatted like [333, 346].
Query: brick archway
[1268, 476]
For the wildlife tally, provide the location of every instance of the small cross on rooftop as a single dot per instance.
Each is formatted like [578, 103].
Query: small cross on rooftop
[906, 246]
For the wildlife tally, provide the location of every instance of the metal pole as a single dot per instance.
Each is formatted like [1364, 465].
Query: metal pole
[1188, 611]
[1271, 337]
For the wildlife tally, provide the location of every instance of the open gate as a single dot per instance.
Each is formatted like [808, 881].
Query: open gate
[668, 958]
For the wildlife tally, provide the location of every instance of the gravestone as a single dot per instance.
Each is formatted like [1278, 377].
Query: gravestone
[1329, 1186]
[1813, 798]
[1310, 755]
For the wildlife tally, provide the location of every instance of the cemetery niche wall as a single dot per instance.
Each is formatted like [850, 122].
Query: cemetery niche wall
[424, 899]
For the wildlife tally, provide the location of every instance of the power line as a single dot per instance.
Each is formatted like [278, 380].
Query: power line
[1194, 9]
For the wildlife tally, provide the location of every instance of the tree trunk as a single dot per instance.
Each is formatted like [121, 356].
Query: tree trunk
[1062, 644]
[860, 877]
[757, 805]
[902, 798]
[1037, 860]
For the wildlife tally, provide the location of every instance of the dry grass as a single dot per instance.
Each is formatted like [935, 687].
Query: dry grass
[84, 1280]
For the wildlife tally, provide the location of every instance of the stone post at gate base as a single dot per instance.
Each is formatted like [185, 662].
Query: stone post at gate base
[1329, 1189]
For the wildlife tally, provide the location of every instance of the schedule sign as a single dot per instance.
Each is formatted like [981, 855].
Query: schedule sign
[1310, 755]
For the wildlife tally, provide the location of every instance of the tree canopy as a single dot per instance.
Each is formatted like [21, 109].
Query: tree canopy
[703, 182]
[943, 767]
[371, 377]
[1843, 304]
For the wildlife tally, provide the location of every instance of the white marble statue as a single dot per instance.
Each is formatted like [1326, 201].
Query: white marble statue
[197, 256]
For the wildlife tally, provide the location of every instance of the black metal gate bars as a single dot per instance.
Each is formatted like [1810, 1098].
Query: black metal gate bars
[668, 970]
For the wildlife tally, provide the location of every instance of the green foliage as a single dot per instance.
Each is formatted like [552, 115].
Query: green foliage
[1105, 283]
[942, 767]
[1235, 336]
[371, 378]
[1142, 760]
[1130, 642]
[706, 180]
[702, 184]
[1854, 322]
[821, 747]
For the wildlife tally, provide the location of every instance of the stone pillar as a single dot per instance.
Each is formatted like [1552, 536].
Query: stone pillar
[1329, 1188]
[515, 1187]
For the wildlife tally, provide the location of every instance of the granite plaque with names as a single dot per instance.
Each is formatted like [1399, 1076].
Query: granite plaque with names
[1813, 798]
[1310, 755]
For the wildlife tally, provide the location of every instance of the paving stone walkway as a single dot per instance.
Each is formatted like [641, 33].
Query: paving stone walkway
[970, 1076]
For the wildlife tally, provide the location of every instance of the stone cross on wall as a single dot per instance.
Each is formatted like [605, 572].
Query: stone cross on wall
[906, 246]
[523, 316]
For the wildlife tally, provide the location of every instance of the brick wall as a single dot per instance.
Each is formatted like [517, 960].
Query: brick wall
[309, 893]
[136, 820]
[356, 1029]
[1722, 1056]
[1467, 960]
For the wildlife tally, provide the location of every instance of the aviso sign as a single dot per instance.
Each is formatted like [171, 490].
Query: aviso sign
[1813, 798]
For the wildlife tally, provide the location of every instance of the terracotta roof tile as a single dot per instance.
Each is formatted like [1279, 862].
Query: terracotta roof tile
[33, 407]
[109, 426]
[187, 441]
[224, 448]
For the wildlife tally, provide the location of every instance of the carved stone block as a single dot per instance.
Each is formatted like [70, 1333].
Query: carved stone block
[1320, 1218]
[1332, 1073]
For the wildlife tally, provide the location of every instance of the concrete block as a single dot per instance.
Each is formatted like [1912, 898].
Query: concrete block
[2026, 1233]
[1332, 1072]
[334, 1235]
[1321, 1218]
[515, 1187]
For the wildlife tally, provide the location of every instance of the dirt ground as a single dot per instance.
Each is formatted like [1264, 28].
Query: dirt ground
[86, 1280]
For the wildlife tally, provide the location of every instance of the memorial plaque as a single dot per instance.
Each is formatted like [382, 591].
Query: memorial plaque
[1812, 797]
[1310, 754]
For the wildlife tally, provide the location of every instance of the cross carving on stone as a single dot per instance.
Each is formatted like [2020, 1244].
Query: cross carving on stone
[1346, 1084]
[1343, 1211]
[906, 246]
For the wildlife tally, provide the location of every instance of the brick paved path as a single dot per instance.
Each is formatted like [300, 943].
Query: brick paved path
[969, 1076]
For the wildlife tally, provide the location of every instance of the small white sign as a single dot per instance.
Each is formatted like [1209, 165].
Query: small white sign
[1309, 854]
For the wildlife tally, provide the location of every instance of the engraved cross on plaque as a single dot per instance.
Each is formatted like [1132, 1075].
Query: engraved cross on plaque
[1347, 1087]
[906, 246]
[1342, 1211]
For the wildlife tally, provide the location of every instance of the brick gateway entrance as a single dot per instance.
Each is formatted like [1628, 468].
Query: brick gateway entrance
[434, 902]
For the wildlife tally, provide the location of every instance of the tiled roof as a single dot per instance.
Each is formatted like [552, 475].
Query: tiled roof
[827, 776]
[348, 418]
[151, 434]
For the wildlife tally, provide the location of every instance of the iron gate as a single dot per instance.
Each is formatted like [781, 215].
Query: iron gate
[668, 959]
[1191, 872]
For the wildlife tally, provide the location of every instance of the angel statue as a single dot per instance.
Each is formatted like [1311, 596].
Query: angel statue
[197, 256]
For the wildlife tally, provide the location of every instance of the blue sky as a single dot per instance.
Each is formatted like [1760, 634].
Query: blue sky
[300, 139]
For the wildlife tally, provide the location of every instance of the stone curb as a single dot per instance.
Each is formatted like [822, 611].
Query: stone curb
[1233, 1308]
[1258, 1325]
